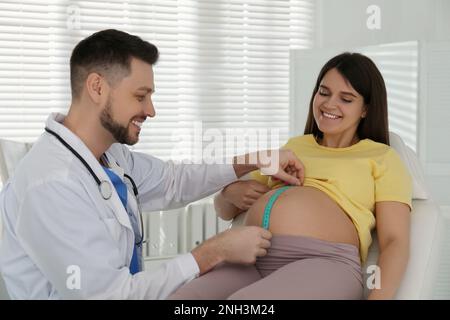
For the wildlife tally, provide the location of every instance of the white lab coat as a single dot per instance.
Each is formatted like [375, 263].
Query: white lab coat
[55, 218]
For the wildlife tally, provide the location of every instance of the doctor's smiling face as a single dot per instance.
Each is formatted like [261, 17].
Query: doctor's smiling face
[111, 77]
[130, 103]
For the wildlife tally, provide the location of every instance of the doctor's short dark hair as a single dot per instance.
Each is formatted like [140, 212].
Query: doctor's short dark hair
[364, 76]
[109, 53]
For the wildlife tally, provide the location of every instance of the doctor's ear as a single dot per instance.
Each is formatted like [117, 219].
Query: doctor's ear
[95, 86]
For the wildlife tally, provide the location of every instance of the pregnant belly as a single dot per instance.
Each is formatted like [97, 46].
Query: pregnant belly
[305, 211]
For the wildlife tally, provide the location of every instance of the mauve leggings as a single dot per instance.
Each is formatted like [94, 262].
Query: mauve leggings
[295, 267]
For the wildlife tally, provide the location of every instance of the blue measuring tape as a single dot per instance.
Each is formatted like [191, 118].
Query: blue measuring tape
[269, 205]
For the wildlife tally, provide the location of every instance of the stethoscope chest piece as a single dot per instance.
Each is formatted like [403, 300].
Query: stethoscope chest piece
[105, 189]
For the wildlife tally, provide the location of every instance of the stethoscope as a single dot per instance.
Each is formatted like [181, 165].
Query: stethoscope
[104, 186]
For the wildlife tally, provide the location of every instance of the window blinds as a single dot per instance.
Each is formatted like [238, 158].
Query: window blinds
[223, 64]
[399, 65]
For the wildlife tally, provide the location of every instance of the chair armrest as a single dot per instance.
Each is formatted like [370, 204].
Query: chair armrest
[426, 243]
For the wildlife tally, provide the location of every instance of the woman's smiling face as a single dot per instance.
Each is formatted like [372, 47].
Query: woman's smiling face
[337, 107]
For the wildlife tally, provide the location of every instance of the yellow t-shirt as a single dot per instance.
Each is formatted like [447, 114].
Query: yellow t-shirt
[355, 177]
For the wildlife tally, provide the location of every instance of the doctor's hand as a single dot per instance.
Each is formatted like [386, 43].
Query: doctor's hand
[281, 164]
[240, 245]
[243, 194]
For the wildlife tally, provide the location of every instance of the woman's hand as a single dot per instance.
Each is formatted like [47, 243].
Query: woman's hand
[243, 194]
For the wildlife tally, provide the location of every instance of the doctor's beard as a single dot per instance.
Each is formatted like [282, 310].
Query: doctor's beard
[118, 131]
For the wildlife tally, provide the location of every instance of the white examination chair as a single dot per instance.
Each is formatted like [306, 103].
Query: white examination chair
[426, 234]
[10, 154]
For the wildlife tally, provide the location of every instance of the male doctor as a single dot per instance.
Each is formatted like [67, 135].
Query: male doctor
[72, 227]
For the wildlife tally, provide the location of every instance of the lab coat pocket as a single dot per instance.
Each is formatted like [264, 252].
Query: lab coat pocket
[114, 228]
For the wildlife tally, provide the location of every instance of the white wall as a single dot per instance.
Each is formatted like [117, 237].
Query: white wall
[344, 23]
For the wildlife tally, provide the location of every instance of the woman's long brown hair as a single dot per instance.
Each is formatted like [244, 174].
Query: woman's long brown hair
[366, 79]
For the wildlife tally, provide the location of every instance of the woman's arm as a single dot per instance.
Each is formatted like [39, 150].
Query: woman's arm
[224, 209]
[238, 197]
[393, 227]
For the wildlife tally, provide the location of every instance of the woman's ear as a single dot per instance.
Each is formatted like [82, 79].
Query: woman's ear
[364, 113]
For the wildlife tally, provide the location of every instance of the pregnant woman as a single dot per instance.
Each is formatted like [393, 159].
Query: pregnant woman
[322, 230]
